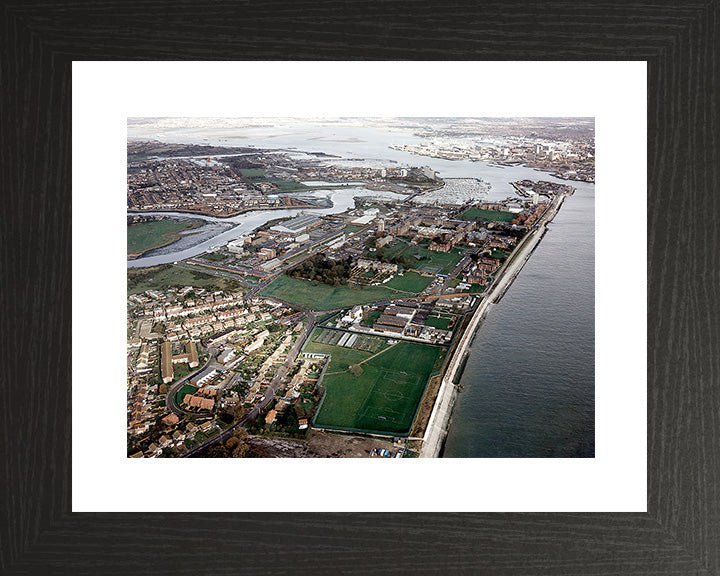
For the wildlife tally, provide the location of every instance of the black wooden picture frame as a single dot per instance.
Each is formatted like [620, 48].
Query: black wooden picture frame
[680, 533]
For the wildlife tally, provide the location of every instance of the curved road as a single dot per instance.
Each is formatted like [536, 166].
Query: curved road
[269, 393]
[170, 398]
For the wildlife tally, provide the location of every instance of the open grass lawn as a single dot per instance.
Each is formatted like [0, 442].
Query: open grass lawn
[409, 282]
[252, 173]
[323, 341]
[385, 396]
[411, 357]
[425, 260]
[323, 296]
[395, 247]
[372, 318]
[487, 215]
[298, 256]
[170, 276]
[181, 370]
[148, 235]
[213, 256]
[285, 185]
[419, 257]
[258, 175]
[184, 389]
[439, 323]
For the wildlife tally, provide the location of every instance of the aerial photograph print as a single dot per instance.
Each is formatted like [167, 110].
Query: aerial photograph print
[360, 287]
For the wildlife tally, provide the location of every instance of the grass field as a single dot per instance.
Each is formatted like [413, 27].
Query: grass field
[395, 247]
[184, 389]
[499, 254]
[298, 256]
[252, 173]
[436, 322]
[258, 175]
[419, 258]
[410, 282]
[384, 397]
[432, 262]
[286, 185]
[487, 215]
[170, 276]
[342, 358]
[148, 235]
[321, 338]
[325, 297]
[372, 318]
[213, 256]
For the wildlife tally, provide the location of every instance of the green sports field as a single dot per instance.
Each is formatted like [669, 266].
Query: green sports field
[381, 398]
[438, 322]
[425, 260]
[419, 257]
[255, 175]
[409, 282]
[487, 215]
[320, 296]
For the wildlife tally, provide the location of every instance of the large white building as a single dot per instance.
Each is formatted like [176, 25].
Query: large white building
[236, 246]
[297, 225]
[226, 355]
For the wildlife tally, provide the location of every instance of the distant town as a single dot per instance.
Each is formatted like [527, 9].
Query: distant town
[321, 333]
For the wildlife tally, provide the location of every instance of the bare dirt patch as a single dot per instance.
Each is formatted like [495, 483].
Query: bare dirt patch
[426, 406]
[317, 445]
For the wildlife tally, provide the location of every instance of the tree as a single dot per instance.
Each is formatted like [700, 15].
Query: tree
[217, 451]
[300, 411]
[241, 451]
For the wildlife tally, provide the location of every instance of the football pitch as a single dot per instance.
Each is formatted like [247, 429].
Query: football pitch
[381, 396]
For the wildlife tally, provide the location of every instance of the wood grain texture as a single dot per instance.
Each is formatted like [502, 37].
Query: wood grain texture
[681, 532]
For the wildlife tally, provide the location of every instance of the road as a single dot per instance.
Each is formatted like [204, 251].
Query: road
[269, 392]
[170, 398]
[440, 416]
[270, 276]
[437, 426]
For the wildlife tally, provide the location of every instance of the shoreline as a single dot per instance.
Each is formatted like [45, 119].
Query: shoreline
[439, 421]
[219, 217]
[175, 236]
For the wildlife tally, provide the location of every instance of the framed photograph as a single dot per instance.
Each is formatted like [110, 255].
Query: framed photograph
[403, 280]
[241, 287]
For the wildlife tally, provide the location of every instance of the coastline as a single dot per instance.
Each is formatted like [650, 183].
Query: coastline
[303, 206]
[439, 421]
[173, 237]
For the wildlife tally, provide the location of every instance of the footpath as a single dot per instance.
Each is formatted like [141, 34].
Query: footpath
[439, 421]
